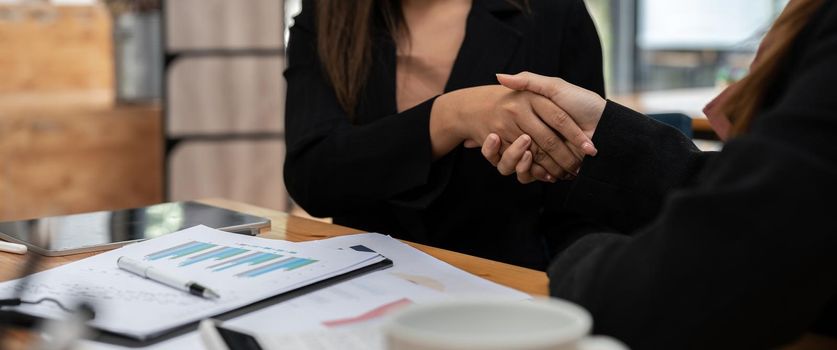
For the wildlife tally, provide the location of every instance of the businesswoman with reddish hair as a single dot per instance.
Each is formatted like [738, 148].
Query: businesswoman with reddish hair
[729, 250]
[382, 95]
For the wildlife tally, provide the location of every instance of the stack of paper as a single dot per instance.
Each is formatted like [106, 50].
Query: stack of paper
[242, 269]
[350, 315]
[351, 312]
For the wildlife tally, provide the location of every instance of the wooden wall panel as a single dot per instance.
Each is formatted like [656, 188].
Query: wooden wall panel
[55, 48]
[201, 24]
[247, 171]
[226, 95]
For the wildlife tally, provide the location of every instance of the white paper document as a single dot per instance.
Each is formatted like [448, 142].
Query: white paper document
[242, 269]
[420, 268]
[352, 311]
[350, 315]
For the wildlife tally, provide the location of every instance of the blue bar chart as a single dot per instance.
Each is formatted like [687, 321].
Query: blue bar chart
[250, 259]
[219, 258]
[221, 253]
[288, 264]
[180, 250]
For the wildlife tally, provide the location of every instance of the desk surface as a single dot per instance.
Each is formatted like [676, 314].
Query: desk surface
[292, 228]
[284, 226]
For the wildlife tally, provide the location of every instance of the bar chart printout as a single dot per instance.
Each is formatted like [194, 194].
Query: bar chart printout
[242, 269]
[217, 258]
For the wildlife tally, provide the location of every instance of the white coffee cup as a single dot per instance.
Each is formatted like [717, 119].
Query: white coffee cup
[541, 324]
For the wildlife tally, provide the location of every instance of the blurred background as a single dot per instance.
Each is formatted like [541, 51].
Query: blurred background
[120, 103]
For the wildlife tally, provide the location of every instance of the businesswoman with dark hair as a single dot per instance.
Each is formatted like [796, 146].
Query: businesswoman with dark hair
[382, 94]
[729, 250]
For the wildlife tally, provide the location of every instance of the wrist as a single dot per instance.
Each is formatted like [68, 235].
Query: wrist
[445, 130]
[599, 111]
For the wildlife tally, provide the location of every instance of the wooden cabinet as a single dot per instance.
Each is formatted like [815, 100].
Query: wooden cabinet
[58, 160]
[46, 48]
[65, 147]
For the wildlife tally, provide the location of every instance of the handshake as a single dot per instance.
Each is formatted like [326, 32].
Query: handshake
[537, 127]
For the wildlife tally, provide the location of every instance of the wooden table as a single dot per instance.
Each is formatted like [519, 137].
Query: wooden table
[292, 228]
[284, 226]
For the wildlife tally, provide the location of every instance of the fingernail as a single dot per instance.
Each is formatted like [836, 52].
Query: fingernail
[526, 139]
[549, 178]
[589, 149]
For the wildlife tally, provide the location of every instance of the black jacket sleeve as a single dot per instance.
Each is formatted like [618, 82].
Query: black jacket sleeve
[639, 163]
[742, 257]
[333, 166]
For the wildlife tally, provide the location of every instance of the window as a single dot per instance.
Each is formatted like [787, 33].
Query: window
[664, 44]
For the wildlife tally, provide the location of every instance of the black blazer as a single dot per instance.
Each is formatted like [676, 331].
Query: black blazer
[378, 174]
[731, 250]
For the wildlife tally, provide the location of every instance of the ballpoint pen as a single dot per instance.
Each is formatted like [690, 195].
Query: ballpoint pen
[149, 272]
[12, 248]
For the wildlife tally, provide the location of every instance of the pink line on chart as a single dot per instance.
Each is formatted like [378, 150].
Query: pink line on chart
[374, 313]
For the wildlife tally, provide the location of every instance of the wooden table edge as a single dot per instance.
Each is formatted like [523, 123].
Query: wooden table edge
[294, 228]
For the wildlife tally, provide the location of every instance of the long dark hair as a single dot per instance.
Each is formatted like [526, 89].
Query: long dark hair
[344, 41]
[747, 98]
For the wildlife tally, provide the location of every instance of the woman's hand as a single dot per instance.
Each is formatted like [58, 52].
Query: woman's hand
[583, 106]
[470, 115]
[517, 159]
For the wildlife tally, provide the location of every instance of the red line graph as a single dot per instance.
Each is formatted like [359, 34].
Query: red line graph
[371, 314]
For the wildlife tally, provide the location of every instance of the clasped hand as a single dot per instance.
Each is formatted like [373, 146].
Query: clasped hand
[537, 127]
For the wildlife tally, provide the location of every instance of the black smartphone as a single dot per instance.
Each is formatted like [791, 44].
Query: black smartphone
[216, 337]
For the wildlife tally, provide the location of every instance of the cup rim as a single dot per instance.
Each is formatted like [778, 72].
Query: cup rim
[581, 324]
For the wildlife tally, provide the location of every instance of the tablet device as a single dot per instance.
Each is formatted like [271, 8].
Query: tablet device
[87, 232]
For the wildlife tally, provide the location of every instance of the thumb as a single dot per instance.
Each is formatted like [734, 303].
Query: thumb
[539, 84]
[513, 82]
